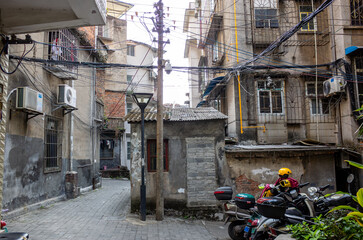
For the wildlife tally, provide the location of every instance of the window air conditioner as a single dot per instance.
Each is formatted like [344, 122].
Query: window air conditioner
[29, 99]
[66, 95]
[333, 85]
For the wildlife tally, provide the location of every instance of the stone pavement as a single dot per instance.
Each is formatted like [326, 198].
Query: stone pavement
[104, 214]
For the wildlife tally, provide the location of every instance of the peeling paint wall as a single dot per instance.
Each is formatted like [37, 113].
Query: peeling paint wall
[249, 169]
[175, 184]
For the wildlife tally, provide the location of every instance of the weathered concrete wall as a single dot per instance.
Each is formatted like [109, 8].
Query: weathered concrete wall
[24, 180]
[249, 169]
[175, 184]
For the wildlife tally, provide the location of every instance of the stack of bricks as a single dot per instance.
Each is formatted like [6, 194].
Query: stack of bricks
[71, 184]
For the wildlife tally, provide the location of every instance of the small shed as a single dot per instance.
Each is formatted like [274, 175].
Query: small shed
[194, 159]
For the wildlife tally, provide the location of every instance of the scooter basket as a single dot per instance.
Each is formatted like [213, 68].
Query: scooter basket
[272, 207]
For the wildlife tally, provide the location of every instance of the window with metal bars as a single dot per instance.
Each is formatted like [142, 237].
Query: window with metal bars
[356, 9]
[52, 144]
[266, 14]
[63, 47]
[322, 108]
[270, 95]
[304, 12]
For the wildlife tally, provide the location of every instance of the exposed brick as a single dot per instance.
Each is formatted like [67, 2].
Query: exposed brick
[246, 185]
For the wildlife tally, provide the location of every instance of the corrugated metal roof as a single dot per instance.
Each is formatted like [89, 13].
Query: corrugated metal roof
[196, 114]
[176, 114]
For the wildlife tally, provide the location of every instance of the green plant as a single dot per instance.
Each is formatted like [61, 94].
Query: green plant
[332, 227]
[354, 214]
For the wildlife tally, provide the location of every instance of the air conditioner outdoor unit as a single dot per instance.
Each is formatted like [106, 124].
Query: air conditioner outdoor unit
[66, 95]
[29, 99]
[333, 85]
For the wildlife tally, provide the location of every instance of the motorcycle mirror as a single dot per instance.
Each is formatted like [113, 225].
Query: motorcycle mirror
[312, 190]
[350, 178]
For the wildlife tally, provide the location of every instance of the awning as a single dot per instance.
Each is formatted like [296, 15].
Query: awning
[212, 84]
[353, 50]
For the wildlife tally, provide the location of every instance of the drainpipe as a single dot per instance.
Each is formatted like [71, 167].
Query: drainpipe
[239, 76]
[70, 122]
[4, 61]
[316, 74]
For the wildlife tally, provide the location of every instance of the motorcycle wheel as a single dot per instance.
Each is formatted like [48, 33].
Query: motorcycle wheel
[261, 236]
[236, 230]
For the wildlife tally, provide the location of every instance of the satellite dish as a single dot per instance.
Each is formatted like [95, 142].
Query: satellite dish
[326, 87]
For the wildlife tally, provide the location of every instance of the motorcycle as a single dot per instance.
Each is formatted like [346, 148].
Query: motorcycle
[4, 234]
[291, 208]
[237, 212]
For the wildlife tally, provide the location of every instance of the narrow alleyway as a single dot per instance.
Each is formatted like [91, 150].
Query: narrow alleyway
[104, 214]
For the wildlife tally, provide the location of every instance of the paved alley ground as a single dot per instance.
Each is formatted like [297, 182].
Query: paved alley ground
[104, 214]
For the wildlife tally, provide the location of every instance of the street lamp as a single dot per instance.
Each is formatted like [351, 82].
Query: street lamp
[142, 100]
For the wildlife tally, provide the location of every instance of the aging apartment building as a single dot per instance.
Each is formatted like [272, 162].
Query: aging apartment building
[294, 107]
[54, 80]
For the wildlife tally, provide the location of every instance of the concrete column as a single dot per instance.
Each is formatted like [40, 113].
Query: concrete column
[4, 61]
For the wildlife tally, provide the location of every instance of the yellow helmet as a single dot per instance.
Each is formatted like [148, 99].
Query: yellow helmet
[285, 183]
[284, 172]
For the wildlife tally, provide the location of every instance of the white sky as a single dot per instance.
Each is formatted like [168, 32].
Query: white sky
[175, 84]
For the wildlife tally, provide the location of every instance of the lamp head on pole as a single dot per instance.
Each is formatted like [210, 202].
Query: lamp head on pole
[142, 99]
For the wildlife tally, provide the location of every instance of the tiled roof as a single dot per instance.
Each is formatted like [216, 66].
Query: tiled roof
[176, 114]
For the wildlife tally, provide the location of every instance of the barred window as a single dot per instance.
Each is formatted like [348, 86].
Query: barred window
[356, 9]
[63, 47]
[270, 96]
[266, 14]
[52, 144]
[323, 103]
[304, 12]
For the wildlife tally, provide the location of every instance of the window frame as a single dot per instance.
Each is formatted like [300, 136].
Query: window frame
[356, 12]
[270, 98]
[150, 155]
[62, 46]
[56, 159]
[312, 98]
[266, 6]
[311, 24]
[131, 50]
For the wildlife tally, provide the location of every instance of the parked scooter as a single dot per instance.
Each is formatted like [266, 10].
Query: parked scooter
[237, 212]
[290, 208]
[5, 235]
[273, 210]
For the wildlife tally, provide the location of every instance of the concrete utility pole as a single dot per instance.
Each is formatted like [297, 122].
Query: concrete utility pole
[159, 28]
[4, 61]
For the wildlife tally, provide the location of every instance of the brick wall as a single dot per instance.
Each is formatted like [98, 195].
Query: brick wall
[201, 171]
[246, 185]
[114, 104]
